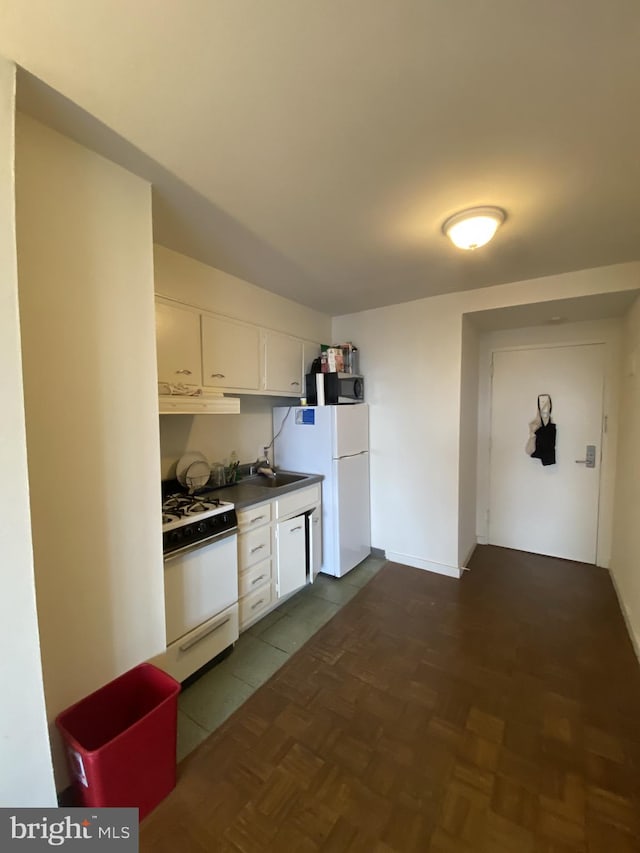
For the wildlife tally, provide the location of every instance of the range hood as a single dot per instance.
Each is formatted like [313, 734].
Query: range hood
[195, 401]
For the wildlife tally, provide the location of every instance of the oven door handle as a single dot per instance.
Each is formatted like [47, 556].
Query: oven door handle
[209, 630]
[201, 543]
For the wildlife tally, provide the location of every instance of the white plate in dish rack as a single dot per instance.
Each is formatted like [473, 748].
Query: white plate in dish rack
[197, 475]
[184, 465]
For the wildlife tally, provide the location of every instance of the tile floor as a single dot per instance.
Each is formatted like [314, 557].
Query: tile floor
[261, 650]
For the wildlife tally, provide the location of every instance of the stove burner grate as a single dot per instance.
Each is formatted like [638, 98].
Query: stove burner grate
[189, 503]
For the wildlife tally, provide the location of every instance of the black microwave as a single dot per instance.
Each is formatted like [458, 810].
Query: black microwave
[339, 388]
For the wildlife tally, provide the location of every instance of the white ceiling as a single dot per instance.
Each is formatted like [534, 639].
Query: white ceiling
[314, 148]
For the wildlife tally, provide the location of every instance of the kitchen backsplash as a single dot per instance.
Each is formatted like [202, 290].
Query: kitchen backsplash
[217, 435]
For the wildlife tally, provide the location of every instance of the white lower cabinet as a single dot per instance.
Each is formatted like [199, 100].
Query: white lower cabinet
[255, 575]
[291, 554]
[277, 550]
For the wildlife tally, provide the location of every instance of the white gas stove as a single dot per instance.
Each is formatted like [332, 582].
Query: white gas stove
[199, 538]
[191, 519]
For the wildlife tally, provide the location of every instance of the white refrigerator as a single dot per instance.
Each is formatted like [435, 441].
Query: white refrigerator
[332, 441]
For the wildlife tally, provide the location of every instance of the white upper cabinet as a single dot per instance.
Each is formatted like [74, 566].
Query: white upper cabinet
[283, 364]
[230, 354]
[178, 344]
[198, 348]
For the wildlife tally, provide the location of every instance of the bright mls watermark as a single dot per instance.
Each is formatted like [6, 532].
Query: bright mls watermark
[69, 829]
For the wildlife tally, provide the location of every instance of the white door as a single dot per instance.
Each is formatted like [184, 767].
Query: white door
[549, 509]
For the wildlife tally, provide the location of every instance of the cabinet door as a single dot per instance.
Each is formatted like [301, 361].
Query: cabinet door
[230, 354]
[178, 344]
[291, 552]
[283, 364]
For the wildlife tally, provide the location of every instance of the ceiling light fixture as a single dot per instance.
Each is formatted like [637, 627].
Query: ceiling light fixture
[472, 228]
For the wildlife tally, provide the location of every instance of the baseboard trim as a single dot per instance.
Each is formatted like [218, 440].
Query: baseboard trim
[379, 553]
[426, 565]
[635, 640]
[482, 540]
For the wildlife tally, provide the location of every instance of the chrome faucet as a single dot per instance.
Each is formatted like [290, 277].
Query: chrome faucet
[265, 467]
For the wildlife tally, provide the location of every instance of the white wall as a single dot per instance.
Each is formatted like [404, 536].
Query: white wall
[26, 774]
[625, 561]
[182, 278]
[411, 354]
[467, 485]
[85, 269]
[217, 435]
[606, 332]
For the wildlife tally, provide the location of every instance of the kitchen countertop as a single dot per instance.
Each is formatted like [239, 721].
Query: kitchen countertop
[249, 491]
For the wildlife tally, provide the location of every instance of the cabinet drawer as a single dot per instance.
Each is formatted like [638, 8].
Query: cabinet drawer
[251, 606]
[298, 501]
[254, 516]
[253, 546]
[198, 647]
[255, 577]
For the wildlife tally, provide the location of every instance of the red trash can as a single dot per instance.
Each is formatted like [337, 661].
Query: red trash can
[121, 740]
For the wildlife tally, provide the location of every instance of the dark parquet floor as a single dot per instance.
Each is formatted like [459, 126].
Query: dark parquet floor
[496, 713]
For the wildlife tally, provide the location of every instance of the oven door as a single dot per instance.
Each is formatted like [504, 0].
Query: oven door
[199, 582]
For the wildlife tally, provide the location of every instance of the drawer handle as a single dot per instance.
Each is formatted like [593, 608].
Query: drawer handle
[257, 548]
[257, 604]
[257, 580]
[257, 518]
[295, 383]
[217, 375]
[293, 529]
[203, 634]
[185, 372]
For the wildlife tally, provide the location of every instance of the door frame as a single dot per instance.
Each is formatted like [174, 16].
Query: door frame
[609, 335]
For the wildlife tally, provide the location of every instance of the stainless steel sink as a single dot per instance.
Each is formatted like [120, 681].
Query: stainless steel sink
[277, 481]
